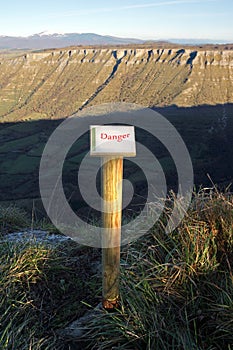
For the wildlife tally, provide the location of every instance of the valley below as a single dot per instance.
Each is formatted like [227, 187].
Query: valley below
[191, 87]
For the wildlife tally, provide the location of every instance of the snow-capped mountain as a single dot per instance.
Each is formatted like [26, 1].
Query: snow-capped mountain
[46, 40]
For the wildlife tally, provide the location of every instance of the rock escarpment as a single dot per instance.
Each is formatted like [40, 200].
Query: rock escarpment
[57, 83]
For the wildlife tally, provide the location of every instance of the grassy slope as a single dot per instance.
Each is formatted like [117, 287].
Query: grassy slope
[176, 290]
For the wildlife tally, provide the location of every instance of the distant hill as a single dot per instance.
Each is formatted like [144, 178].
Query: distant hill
[45, 40]
[189, 41]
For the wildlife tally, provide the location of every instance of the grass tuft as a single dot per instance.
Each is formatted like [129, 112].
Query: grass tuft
[13, 218]
[41, 290]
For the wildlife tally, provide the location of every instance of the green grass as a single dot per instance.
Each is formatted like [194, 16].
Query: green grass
[41, 290]
[13, 218]
[176, 289]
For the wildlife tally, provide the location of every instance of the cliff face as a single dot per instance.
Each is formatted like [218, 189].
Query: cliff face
[55, 84]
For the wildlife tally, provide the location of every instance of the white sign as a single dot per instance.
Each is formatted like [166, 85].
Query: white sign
[113, 140]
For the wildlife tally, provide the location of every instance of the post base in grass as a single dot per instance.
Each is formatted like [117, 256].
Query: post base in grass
[110, 305]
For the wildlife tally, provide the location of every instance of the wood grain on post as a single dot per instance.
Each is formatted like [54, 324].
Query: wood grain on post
[111, 143]
[112, 175]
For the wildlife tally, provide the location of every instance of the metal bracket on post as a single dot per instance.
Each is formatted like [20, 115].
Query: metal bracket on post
[111, 143]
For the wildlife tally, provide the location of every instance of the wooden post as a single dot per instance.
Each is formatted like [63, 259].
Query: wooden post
[111, 143]
[112, 175]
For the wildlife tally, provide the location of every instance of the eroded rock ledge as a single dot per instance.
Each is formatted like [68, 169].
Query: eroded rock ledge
[57, 83]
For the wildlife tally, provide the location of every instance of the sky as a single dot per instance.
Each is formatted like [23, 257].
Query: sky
[149, 19]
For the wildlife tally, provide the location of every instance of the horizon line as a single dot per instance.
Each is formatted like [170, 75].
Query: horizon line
[48, 33]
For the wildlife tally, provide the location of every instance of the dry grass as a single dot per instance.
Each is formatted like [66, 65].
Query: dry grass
[177, 290]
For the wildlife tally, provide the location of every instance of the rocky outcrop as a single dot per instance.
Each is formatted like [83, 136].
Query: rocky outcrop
[57, 83]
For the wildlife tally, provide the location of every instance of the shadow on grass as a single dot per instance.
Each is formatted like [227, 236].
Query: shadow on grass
[206, 131]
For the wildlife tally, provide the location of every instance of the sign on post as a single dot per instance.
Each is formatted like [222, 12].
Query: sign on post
[111, 143]
[110, 140]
